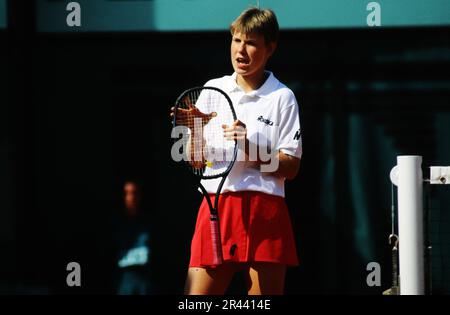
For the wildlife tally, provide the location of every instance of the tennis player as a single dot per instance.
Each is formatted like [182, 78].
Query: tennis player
[256, 232]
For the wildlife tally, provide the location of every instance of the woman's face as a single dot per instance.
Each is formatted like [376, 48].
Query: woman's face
[249, 53]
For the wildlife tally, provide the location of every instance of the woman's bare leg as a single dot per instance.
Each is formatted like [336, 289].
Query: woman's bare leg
[265, 278]
[212, 281]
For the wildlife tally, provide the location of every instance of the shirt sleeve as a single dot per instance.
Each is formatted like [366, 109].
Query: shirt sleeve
[290, 139]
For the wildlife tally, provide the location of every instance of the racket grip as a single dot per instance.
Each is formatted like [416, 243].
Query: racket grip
[216, 241]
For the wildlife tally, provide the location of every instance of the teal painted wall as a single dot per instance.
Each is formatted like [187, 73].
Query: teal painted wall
[204, 15]
[3, 19]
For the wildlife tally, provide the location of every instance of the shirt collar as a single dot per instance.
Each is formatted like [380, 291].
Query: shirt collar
[269, 86]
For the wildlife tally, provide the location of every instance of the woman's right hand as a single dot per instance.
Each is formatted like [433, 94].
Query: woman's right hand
[187, 116]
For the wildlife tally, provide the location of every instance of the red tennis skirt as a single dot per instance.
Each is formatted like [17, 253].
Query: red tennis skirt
[254, 227]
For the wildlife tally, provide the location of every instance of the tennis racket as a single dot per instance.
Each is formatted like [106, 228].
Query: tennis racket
[200, 113]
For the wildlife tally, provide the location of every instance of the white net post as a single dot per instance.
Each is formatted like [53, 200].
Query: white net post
[409, 180]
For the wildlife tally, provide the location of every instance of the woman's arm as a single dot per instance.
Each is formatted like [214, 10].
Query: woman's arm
[288, 166]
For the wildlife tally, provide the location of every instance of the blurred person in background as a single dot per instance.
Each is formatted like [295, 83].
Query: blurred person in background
[133, 242]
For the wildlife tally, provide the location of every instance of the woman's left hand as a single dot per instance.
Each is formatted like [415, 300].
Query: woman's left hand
[237, 131]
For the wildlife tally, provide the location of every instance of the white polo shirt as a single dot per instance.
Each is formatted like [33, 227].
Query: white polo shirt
[271, 116]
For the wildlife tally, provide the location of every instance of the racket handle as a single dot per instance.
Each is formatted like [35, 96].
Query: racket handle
[216, 242]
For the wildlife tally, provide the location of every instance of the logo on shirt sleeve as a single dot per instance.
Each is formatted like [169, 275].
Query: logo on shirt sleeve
[297, 135]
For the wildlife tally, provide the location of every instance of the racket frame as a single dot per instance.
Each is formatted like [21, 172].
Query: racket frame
[214, 211]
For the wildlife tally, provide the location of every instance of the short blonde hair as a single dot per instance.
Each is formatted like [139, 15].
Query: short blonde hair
[255, 20]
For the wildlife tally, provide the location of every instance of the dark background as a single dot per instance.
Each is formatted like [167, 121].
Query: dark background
[82, 111]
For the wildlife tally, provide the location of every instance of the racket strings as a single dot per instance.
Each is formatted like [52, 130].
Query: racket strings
[203, 112]
[194, 120]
